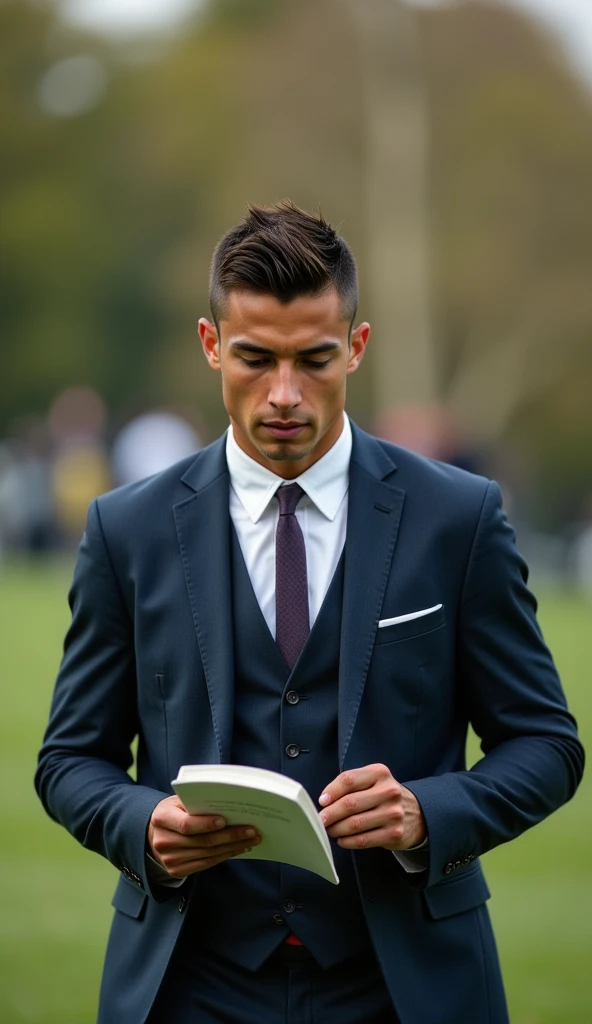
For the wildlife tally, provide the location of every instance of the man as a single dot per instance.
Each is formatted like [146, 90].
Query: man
[344, 632]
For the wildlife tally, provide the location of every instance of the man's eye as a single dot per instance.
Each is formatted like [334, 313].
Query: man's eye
[253, 362]
[317, 364]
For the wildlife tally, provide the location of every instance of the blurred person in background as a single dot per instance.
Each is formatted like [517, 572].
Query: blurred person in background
[80, 472]
[150, 443]
[580, 548]
[430, 430]
[10, 499]
[26, 507]
[80, 465]
[304, 597]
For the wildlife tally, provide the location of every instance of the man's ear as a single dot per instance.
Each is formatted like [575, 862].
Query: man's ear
[357, 346]
[209, 342]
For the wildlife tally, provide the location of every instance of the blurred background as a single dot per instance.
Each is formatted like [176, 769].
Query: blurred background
[451, 144]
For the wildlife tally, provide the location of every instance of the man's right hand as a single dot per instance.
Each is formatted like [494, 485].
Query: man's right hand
[186, 843]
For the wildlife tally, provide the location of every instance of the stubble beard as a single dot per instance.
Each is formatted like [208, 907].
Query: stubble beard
[285, 453]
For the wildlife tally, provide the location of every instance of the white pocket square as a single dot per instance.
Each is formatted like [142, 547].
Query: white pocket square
[408, 617]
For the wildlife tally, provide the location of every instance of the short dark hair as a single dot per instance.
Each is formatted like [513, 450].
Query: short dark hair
[283, 251]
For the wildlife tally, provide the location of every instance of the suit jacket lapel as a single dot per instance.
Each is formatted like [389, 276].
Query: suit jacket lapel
[374, 512]
[203, 530]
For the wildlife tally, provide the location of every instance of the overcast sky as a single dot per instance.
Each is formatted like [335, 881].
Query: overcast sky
[122, 16]
[571, 18]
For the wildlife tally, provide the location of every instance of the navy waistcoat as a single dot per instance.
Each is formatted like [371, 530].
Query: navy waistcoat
[285, 722]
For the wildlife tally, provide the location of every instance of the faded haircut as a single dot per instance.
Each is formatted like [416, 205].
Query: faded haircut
[285, 252]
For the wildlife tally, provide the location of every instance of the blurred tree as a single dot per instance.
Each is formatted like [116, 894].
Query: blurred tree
[54, 241]
[394, 201]
[109, 217]
[511, 174]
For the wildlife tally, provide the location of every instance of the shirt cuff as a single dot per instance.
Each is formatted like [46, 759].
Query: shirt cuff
[156, 873]
[415, 859]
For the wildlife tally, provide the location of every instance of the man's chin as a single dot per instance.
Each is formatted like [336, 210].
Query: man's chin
[282, 452]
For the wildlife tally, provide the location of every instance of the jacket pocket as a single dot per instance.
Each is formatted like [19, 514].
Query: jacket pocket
[413, 627]
[464, 891]
[128, 899]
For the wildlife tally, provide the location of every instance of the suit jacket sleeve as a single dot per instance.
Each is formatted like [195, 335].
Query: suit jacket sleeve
[510, 691]
[82, 776]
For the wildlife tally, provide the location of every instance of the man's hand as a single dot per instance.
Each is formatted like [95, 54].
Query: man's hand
[186, 843]
[367, 807]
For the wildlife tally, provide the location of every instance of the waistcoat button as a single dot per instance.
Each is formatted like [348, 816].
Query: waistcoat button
[292, 750]
[292, 697]
[288, 906]
[278, 919]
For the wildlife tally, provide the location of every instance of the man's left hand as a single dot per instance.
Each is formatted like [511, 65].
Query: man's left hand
[367, 807]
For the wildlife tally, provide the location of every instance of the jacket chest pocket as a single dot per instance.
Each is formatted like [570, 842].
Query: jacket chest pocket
[406, 629]
[413, 666]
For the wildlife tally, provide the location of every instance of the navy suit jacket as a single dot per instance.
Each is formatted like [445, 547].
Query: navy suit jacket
[150, 654]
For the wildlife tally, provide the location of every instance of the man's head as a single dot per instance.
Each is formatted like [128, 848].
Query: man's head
[283, 294]
[284, 252]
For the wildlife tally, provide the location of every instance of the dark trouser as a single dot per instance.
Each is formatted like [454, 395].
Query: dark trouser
[202, 988]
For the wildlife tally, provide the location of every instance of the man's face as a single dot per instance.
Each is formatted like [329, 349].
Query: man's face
[284, 368]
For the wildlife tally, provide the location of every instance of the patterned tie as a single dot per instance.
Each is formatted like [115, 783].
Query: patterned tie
[291, 585]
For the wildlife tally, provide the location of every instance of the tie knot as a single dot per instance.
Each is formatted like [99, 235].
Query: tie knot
[288, 498]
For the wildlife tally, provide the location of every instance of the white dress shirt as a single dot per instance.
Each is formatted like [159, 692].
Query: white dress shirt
[321, 514]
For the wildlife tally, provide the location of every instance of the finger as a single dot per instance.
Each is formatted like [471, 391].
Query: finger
[384, 795]
[174, 817]
[378, 817]
[179, 865]
[389, 837]
[205, 854]
[167, 841]
[353, 804]
[353, 781]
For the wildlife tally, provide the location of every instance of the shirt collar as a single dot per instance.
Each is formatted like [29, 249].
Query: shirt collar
[325, 482]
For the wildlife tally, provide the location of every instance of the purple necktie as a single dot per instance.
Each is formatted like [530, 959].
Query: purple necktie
[291, 586]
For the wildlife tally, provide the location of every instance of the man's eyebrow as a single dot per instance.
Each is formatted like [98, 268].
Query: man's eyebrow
[249, 346]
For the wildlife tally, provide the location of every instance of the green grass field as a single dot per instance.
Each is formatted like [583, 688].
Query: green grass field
[55, 896]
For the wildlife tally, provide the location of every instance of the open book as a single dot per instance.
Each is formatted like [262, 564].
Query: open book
[277, 806]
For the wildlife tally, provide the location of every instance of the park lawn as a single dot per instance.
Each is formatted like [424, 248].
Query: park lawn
[55, 896]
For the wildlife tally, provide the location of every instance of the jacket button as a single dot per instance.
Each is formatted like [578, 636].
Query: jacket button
[292, 750]
[182, 904]
[292, 697]
[448, 869]
[278, 919]
[288, 906]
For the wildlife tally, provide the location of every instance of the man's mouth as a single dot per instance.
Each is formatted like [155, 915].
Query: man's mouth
[278, 429]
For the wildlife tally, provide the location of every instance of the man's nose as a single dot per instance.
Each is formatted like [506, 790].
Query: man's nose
[284, 392]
